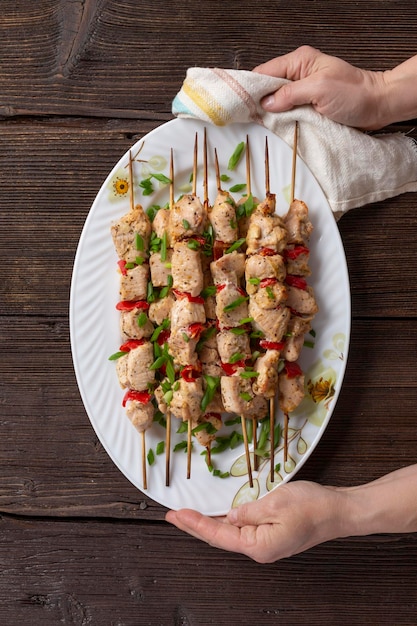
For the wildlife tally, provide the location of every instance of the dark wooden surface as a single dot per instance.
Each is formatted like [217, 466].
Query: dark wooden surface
[79, 83]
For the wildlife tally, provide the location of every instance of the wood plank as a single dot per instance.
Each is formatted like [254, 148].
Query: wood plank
[50, 576]
[54, 465]
[107, 58]
[61, 166]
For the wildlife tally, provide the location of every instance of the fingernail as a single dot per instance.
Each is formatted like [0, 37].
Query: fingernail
[268, 102]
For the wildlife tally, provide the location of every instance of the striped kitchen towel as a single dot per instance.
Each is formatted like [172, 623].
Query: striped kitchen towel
[353, 168]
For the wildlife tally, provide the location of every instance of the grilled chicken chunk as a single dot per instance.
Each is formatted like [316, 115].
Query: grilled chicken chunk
[203, 437]
[186, 400]
[259, 267]
[265, 231]
[271, 296]
[130, 328]
[187, 218]
[230, 345]
[133, 368]
[161, 309]
[297, 258]
[134, 284]
[232, 390]
[160, 224]
[302, 301]
[267, 367]
[222, 217]
[297, 328]
[186, 269]
[139, 360]
[184, 313]
[160, 270]
[209, 359]
[141, 415]
[229, 268]
[182, 347]
[291, 391]
[297, 223]
[131, 234]
[231, 306]
[271, 322]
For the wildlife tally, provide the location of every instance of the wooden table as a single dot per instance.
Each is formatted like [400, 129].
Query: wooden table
[80, 82]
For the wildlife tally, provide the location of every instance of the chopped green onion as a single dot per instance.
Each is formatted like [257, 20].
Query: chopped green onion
[224, 178]
[152, 211]
[164, 246]
[182, 445]
[160, 448]
[249, 374]
[139, 245]
[193, 244]
[237, 356]
[233, 305]
[238, 331]
[254, 281]
[116, 356]
[186, 224]
[170, 372]
[270, 293]
[168, 396]
[236, 245]
[235, 158]
[161, 178]
[151, 457]
[212, 384]
[160, 361]
[246, 320]
[142, 319]
[208, 291]
[237, 187]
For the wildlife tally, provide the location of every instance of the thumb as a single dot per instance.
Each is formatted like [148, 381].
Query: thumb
[290, 95]
[250, 514]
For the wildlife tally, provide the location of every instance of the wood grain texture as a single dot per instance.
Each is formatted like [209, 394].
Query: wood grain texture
[55, 576]
[80, 82]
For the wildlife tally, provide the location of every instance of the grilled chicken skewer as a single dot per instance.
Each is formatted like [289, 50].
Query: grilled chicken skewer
[231, 308]
[131, 236]
[265, 274]
[300, 300]
[186, 224]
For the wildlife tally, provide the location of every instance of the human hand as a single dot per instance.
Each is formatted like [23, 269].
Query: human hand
[336, 89]
[289, 520]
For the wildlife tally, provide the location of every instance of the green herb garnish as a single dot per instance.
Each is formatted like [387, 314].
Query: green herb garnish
[235, 158]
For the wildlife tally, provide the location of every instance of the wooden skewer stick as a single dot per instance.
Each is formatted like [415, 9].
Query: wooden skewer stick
[189, 429]
[292, 196]
[195, 165]
[205, 173]
[206, 206]
[131, 190]
[271, 400]
[168, 414]
[143, 436]
[246, 444]
[294, 161]
[144, 476]
[243, 420]
[217, 169]
[132, 206]
[249, 191]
